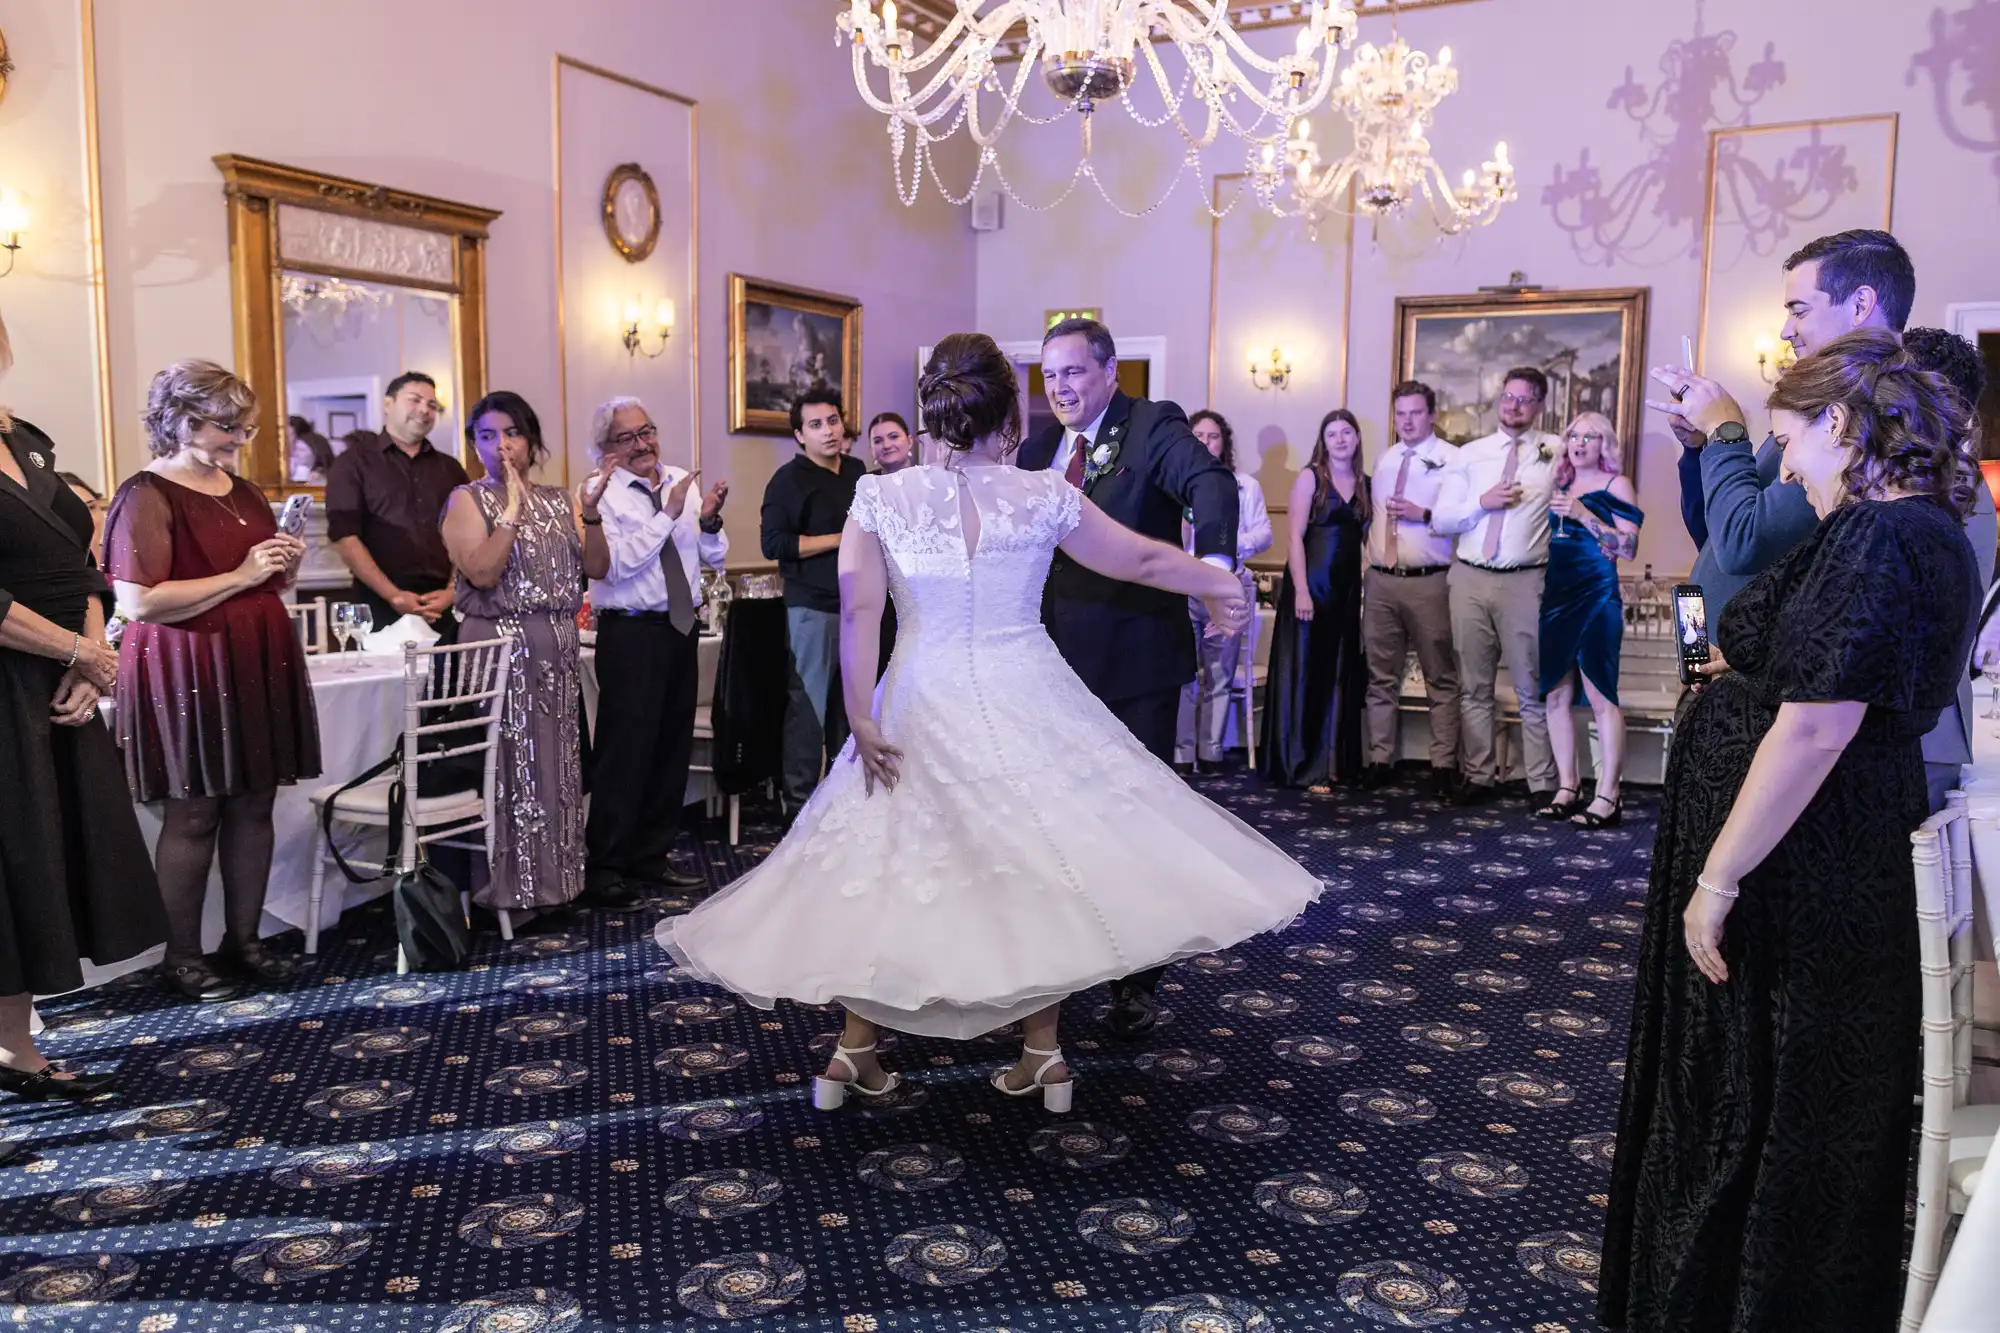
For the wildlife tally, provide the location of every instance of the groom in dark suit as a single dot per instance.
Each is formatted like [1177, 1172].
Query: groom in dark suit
[1133, 647]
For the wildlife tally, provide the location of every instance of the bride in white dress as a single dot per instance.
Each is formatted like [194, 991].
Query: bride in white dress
[992, 839]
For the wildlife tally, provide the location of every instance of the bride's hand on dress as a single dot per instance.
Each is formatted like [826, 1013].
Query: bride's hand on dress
[881, 762]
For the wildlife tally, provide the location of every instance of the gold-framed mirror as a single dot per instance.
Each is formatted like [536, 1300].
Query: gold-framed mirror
[338, 286]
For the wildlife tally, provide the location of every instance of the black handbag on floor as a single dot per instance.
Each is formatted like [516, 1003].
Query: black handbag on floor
[430, 925]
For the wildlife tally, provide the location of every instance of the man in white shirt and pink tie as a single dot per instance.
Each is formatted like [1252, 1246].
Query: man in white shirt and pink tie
[1406, 605]
[1495, 500]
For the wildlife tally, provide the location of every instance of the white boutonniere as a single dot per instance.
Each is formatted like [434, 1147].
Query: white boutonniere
[1103, 457]
[37, 459]
[1542, 449]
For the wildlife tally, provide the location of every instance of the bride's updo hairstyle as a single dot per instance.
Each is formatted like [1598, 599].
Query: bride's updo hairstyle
[1907, 427]
[968, 392]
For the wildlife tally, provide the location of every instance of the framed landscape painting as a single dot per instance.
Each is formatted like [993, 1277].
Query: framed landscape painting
[784, 341]
[1591, 345]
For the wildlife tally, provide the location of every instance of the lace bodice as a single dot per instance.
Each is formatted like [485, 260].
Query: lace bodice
[968, 550]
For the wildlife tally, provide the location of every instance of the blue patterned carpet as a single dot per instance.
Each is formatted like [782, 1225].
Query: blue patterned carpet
[1395, 1115]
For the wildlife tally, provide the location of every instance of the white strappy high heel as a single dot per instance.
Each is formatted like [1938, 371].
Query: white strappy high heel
[1056, 1097]
[830, 1093]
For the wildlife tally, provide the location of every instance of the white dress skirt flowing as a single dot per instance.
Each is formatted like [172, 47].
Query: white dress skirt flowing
[1031, 848]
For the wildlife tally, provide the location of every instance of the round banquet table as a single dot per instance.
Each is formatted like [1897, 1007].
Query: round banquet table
[359, 697]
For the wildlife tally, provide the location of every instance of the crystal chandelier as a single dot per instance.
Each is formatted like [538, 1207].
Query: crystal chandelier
[303, 295]
[1390, 95]
[1088, 53]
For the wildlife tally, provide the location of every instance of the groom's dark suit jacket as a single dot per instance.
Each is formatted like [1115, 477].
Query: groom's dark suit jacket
[1122, 639]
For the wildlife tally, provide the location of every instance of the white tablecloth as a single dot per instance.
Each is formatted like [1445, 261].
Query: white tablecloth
[359, 697]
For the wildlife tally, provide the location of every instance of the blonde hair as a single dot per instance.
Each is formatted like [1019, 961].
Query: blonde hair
[188, 393]
[6, 364]
[1608, 460]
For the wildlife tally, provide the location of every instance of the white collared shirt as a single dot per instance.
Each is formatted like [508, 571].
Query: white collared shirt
[635, 532]
[1067, 445]
[1419, 545]
[1524, 529]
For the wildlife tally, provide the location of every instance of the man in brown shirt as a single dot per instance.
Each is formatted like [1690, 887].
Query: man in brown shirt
[384, 497]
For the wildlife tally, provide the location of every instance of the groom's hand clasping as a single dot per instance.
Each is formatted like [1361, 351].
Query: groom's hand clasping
[880, 761]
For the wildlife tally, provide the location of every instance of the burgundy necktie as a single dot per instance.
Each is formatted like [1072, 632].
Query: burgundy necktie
[1073, 474]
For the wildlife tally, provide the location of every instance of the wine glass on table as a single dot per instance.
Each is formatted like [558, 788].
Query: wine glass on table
[340, 619]
[360, 620]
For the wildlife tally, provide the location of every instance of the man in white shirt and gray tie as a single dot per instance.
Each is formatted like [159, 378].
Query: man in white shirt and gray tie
[1406, 605]
[1495, 500]
[640, 528]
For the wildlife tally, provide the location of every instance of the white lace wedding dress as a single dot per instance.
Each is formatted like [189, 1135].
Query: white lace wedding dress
[1031, 847]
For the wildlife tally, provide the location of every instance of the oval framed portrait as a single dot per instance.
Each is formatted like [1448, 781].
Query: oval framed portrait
[631, 212]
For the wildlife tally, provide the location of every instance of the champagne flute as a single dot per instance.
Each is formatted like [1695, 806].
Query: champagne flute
[360, 620]
[340, 619]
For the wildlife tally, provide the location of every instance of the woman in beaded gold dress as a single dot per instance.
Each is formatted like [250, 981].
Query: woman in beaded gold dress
[520, 572]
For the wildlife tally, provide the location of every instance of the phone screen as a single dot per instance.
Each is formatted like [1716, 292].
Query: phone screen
[1690, 630]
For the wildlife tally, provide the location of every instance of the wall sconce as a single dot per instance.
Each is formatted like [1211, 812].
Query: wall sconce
[663, 324]
[1271, 369]
[13, 221]
[1774, 358]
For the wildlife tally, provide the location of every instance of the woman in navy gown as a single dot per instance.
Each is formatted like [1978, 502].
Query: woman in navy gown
[1312, 703]
[1593, 524]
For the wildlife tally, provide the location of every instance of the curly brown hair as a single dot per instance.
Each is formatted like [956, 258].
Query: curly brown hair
[1905, 425]
[968, 391]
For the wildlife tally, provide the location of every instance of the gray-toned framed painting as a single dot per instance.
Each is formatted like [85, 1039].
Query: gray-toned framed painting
[783, 341]
[1591, 345]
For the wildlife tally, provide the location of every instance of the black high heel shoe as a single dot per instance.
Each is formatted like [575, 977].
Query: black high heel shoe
[258, 963]
[1558, 808]
[197, 981]
[44, 1086]
[1590, 819]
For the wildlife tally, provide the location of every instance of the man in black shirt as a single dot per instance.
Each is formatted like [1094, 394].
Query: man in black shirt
[805, 507]
[384, 497]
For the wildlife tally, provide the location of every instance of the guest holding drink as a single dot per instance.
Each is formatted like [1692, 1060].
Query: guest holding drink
[1204, 712]
[215, 709]
[1594, 523]
[520, 572]
[1319, 674]
[62, 897]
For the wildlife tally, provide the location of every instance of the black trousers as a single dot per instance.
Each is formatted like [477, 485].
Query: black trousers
[1153, 719]
[647, 681]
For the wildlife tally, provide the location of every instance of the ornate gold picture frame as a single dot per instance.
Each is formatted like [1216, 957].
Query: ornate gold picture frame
[783, 341]
[1591, 345]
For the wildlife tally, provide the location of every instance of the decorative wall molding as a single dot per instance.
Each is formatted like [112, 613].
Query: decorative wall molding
[363, 245]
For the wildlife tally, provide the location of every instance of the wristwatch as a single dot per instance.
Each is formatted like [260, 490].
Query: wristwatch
[1730, 432]
[711, 524]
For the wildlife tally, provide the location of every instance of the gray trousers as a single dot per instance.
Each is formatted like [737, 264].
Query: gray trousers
[815, 641]
[1496, 620]
[1203, 721]
[1398, 615]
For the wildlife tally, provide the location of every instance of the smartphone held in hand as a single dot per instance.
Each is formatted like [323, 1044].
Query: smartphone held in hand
[1690, 630]
[292, 518]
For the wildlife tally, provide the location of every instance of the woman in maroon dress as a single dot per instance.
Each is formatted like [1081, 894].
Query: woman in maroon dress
[215, 709]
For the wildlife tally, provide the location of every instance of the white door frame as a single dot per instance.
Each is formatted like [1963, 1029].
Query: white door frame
[1969, 319]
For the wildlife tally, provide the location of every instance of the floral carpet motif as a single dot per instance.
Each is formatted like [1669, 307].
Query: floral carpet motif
[1397, 1114]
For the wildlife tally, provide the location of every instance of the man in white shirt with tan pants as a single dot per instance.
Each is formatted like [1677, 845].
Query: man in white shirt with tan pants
[1495, 499]
[1406, 606]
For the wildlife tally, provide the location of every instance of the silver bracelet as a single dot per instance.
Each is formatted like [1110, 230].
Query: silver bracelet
[75, 650]
[1701, 882]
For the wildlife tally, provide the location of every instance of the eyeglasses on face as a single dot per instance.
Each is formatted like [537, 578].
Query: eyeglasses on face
[242, 432]
[646, 434]
[1588, 437]
[1520, 399]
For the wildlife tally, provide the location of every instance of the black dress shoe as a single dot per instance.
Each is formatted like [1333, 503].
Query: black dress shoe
[1444, 781]
[1134, 1014]
[254, 961]
[44, 1086]
[1375, 777]
[199, 982]
[1472, 793]
[618, 895]
[1539, 801]
[669, 878]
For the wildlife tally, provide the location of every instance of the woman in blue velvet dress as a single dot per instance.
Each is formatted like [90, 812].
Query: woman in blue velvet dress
[1593, 524]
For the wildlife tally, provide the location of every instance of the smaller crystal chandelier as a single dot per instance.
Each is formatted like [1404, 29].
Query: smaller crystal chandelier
[1390, 95]
[303, 295]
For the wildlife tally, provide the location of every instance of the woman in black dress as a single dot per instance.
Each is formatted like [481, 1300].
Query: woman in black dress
[1764, 1140]
[1312, 701]
[75, 878]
